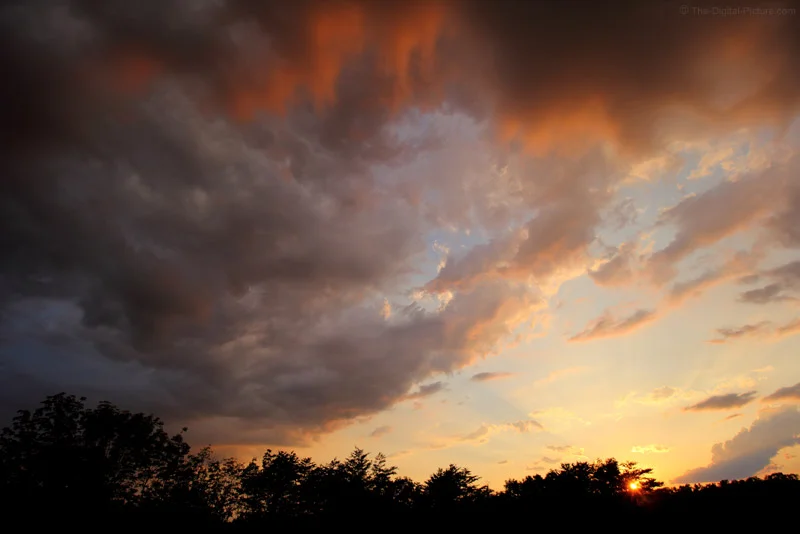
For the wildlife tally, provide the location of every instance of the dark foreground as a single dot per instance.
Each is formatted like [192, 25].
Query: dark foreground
[66, 465]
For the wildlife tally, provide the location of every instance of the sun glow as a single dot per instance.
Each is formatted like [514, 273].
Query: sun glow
[633, 486]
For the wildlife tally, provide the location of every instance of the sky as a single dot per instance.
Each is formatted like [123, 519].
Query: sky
[501, 234]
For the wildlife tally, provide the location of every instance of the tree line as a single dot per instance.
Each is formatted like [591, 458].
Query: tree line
[66, 464]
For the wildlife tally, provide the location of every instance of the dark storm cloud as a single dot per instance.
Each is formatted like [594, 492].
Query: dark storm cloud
[723, 402]
[191, 217]
[615, 69]
[167, 258]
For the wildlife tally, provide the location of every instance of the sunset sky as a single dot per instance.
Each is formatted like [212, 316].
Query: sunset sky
[499, 234]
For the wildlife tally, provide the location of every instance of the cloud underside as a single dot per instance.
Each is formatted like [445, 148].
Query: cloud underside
[487, 376]
[221, 215]
[788, 393]
[749, 451]
[723, 402]
[783, 284]
[764, 330]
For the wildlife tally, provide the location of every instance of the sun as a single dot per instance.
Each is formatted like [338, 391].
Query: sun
[633, 486]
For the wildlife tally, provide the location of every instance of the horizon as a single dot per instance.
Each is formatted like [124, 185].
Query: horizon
[506, 237]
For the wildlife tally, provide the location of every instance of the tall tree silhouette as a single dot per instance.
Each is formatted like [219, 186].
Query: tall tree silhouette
[451, 486]
[80, 459]
[277, 487]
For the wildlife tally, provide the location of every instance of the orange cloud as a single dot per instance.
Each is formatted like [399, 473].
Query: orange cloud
[609, 326]
[331, 34]
[334, 37]
[590, 86]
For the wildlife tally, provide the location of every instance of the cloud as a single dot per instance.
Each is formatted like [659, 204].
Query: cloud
[786, 279]
[598, 100]
[550, 246]
[748, 330]
[764, 330]
[558, 374]
[662, 393]
[622, 214]
[426, 391]
[710, 161]
[658, 398]
[788, 393]
[485, 431]
[701, 220]
[607, 325]
[268, 180]
[649, 449]
[746, 380]
[618, 270]
[486, 376]
[764, 295]
[733, 416]
[723, 402]
[380, 431]
[789, 329]
[502, 462]
[751, 449]
[548, 460]
[733, 266]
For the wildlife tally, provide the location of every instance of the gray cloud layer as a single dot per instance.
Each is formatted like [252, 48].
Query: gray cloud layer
[750, 450]
[786, 281]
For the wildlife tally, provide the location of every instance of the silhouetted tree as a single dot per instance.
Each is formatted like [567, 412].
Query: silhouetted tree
[84, 461]
[276, 487]
[69, 465]
[209, 486]
[453, 485]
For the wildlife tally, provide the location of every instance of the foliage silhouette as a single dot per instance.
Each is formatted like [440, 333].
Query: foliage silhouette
[68, 465]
